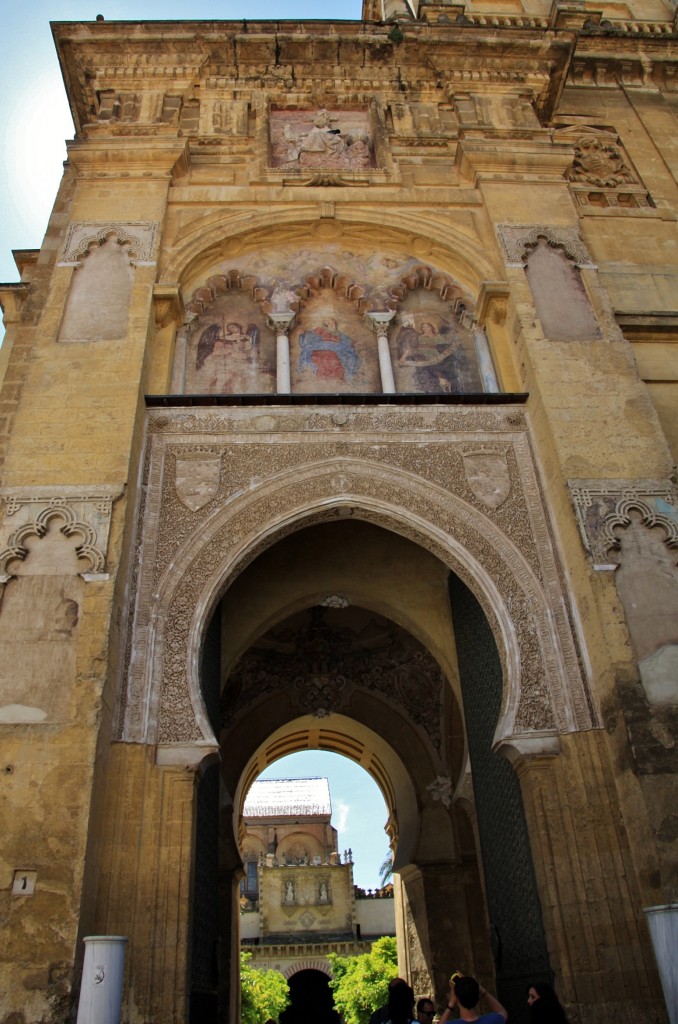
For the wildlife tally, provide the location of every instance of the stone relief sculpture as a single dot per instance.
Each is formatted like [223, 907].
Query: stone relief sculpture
[599, 162]
[329, 139]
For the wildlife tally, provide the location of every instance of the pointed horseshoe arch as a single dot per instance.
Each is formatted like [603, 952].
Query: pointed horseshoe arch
[519, 588]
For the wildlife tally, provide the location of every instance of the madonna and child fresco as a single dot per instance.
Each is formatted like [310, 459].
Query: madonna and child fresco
[332, 350]
[228, 345]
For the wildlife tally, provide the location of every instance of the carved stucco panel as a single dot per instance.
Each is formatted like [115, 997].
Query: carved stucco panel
[139, 235]
[510, 564]
[83, 514]
[600, 505]
[518, 240]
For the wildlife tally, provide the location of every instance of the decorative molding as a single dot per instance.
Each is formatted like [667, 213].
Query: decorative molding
[320, 464]
[140, 236]
[85, 516]
[12, 298]
[518, 241]
[602, 506]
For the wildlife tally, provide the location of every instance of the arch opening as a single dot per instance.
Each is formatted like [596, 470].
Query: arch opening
[306, 650]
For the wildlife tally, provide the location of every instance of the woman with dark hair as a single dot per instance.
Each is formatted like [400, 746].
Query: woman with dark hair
[400, 1008]
[544, 1004]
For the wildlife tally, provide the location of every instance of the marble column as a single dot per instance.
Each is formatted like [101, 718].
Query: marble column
[487, 372]
[379, 323]
[281, 324]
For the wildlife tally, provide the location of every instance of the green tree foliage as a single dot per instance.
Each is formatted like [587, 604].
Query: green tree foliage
[263, 994]
[360, 983]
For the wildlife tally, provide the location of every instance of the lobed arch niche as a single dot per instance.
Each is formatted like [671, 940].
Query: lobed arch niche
[340, 314]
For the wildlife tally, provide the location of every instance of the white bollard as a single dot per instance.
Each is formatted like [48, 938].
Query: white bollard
[663, 924]
[102, 974]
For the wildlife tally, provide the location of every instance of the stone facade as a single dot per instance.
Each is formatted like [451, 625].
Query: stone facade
[297, 899]
[343, 390]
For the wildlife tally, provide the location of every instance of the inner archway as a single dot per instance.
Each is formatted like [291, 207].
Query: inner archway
[341, 638]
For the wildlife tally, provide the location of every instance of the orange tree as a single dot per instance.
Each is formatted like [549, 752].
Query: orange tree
[360, 983]
[263, 994]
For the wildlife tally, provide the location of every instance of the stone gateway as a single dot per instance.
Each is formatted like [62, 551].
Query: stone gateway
[340, 412]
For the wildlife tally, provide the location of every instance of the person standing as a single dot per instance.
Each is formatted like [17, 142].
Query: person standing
[425, 1011]
[380, 1016]
[545, 1007]
[465, 994]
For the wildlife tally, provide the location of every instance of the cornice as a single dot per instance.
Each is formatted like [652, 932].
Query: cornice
[170, 57]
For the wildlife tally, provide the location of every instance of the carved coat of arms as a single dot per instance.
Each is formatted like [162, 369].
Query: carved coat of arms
[197, 478]
[488, 476]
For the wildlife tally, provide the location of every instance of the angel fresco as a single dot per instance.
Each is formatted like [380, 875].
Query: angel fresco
[328, 352]
[227, 355]
[436, 356]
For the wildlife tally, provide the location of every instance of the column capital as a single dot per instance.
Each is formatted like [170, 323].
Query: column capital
[379, 321]
[529, 750]
[281, 323]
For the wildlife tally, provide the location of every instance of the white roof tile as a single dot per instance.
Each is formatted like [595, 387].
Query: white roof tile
[270, 798]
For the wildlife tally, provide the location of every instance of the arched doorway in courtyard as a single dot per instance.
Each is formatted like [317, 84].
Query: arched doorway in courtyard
[310, 999]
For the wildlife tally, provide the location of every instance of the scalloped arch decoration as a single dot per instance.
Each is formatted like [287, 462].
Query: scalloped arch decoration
[435, 281]
[621, 519]
[520, 241]
[86, 549]
[138, 236]
[220, 284]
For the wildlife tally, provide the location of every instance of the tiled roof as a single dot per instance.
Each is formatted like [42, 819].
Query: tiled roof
[271, 798]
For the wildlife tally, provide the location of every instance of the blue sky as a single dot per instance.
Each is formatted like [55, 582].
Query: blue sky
[358, 808]
[34, 122]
